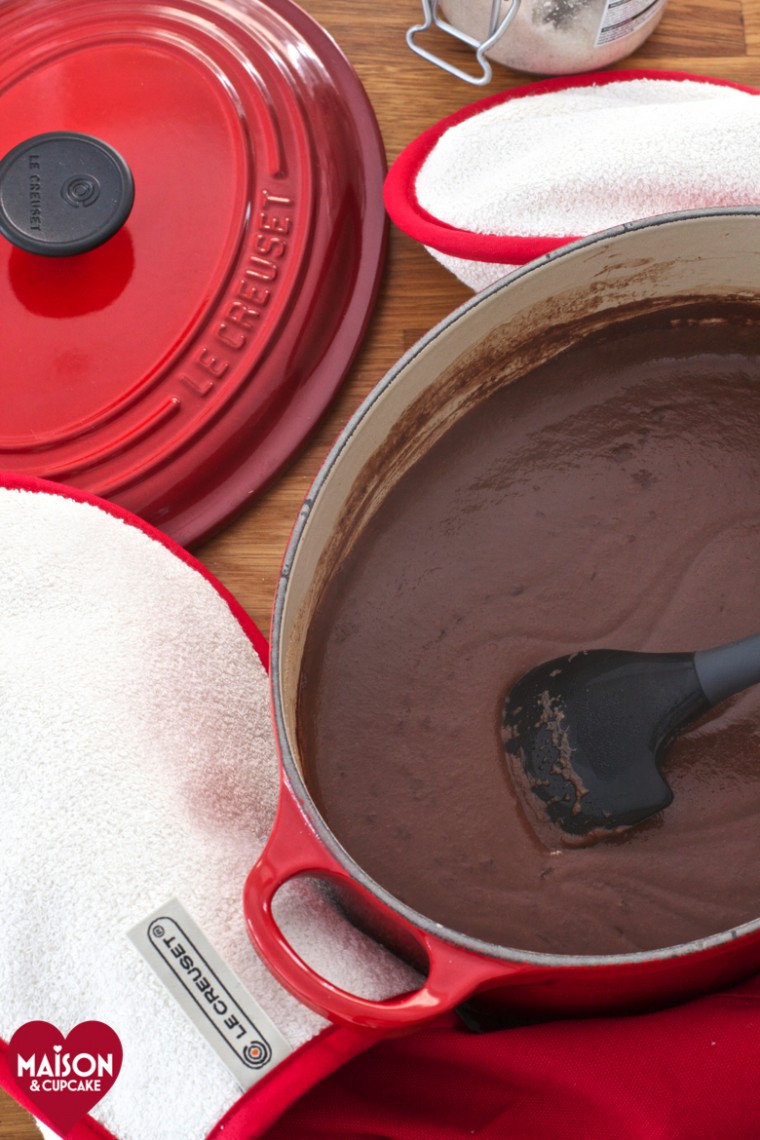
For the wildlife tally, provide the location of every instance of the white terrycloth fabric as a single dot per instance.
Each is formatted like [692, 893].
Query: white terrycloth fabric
[137, 763]
[476, 275]
[582, 159]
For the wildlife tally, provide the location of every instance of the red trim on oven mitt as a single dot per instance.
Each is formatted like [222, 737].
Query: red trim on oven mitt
[547, 188]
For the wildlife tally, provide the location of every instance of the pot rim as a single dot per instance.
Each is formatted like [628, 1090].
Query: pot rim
[291, 771]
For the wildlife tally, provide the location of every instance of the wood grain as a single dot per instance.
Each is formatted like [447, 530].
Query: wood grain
[717, 38]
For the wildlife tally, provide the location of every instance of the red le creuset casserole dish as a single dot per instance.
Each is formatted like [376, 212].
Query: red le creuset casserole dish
[709, 257]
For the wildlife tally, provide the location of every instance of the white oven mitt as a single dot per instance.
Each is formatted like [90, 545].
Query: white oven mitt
[137, 764]
[516, 175]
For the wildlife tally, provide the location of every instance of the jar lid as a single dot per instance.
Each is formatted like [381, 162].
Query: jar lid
[217, 170]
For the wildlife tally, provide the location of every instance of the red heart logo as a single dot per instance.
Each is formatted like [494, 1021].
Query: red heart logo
[61, 1078]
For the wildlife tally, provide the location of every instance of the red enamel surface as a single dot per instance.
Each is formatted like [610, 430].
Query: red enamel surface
[175, 368]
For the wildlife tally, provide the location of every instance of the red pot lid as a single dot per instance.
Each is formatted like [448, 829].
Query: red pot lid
[175, 366]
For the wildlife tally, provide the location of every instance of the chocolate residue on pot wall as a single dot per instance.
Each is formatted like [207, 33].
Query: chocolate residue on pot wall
[609, 498]
[485, 368]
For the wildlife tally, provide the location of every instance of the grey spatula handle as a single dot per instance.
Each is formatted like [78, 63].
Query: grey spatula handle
[728, 669]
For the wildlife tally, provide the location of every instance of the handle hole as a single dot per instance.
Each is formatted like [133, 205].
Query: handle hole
[311, 911]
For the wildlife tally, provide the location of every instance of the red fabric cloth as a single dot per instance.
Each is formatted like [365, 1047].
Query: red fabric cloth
[688, 1073]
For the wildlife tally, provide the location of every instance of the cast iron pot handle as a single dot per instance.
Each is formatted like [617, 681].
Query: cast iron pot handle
[455, 974]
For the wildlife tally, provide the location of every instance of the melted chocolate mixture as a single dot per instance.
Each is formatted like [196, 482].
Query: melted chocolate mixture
[610, 498]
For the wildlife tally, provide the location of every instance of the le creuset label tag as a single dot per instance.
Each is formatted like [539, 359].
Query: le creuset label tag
[215, 1000]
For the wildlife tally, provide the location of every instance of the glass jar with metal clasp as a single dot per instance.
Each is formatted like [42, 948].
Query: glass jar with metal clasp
[541, 37]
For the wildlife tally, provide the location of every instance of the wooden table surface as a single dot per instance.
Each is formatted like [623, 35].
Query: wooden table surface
[713, 37]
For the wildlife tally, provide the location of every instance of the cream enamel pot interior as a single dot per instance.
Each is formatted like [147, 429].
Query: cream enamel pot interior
[495, 337]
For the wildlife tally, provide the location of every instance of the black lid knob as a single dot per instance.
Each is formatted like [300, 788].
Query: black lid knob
[63, 193]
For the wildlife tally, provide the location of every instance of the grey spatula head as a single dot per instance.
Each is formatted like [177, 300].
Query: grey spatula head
[585, 735]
